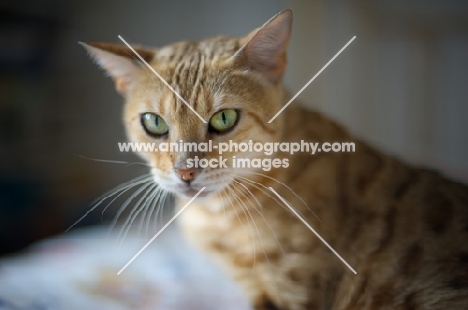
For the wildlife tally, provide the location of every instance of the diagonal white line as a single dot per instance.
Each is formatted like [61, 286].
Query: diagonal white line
[311, 80]
[313, 230]
[164, 81]
[162, 229]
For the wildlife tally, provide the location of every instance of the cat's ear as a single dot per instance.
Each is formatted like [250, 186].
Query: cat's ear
[264, 49]
[119, 61]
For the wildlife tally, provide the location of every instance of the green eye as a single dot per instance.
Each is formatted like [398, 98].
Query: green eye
[223, 120]
[154, 124]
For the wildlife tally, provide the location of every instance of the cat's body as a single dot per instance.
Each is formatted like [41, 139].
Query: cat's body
[404, 230]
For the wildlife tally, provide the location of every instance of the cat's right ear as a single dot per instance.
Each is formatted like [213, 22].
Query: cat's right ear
[118, 61]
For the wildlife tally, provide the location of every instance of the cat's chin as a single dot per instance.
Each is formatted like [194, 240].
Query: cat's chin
[191, 192]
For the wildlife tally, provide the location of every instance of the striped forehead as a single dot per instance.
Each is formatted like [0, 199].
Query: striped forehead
[212, 49]
[190, 72]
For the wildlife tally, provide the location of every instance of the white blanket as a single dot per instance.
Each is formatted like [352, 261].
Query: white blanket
[78, 270]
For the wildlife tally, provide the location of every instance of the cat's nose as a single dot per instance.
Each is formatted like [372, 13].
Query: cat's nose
[187, 174]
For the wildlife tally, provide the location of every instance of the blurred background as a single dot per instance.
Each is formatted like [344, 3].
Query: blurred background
[402, 85]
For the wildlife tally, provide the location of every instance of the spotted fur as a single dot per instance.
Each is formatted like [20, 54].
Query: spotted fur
[404, 229]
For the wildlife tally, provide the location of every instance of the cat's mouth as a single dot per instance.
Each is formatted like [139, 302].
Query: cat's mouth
[189, 192]
[186, 189]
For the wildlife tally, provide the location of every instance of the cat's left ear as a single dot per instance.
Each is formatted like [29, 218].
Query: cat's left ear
[119, 61]
[264, 49]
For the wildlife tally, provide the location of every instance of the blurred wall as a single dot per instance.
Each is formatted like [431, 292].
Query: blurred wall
[400, 85]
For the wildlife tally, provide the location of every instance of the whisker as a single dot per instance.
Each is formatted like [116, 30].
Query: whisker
[289, 188]
[95, 203]
[160, 210]
[123, 192]
[125, 204]
[110, 161]
[102, 160]
[261, 188]
[223, 203]
[268, 225]
[267, 192]
[135, 211]
[146, 205]
[250, 228]
[259, 212]
[154, 205]
[261, 240]
[163, 205]
[232, 205]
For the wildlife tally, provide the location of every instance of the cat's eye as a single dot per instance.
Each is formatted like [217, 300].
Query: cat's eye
[223, 120]
[154, 124]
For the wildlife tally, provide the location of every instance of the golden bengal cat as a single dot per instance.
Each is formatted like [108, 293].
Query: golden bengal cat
[404, 229]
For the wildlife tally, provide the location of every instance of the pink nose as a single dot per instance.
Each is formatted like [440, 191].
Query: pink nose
[187, 174]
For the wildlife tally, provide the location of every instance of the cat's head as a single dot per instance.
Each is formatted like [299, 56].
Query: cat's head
[234, 84]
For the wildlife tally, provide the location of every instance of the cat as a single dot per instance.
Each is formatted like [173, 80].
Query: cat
[404, 229]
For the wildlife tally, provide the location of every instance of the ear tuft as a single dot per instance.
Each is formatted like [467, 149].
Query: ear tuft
[265, 48]
[118, 61]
